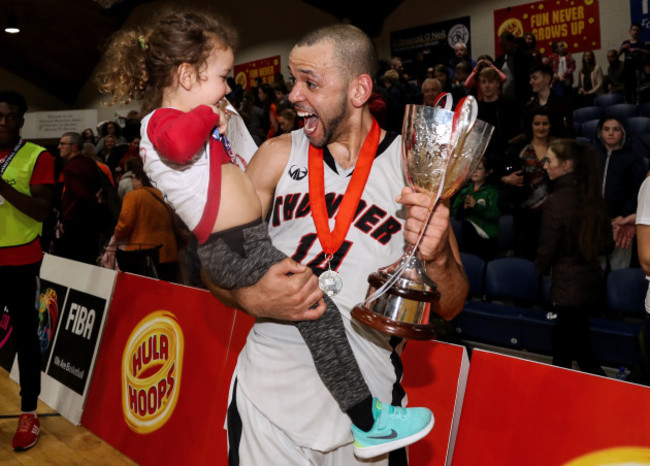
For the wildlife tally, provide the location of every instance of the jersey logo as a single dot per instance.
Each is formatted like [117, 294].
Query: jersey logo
[297, 173]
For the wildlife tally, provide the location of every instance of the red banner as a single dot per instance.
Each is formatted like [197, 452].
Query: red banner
[265, 69]
[574, 22]
[519, 412]
[160, 388]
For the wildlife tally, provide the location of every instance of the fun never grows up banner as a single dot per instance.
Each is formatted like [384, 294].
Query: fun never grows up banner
[575, 22]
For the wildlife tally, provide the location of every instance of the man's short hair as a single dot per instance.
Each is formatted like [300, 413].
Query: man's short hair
[75, 139]
[390, 76]
[440, 68]
[14, 99]
[489, 73]
[542, 68]
[353, 49]
[432, 81]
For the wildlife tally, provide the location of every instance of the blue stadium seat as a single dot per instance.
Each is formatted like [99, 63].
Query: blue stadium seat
[644, 109]
[512, 278]
[589, 129]
[584, 140]
[626, 290]
[474, 269]
[606, 100]
[638, 126]
[583, 114]
[506, 239]
[621, 111]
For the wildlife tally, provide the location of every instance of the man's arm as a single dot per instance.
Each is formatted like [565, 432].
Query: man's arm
[36, 206]
[438, 250]
[288, 290]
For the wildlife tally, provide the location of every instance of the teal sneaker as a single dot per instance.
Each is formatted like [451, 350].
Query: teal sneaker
[394, 428]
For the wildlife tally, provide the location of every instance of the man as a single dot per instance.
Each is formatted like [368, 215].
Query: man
[461, 54]
[431, 89]
[26, 187]
[614, 79]
[515, 63]
[541, 77]
[280, 412]
[563, 66]
[81, 216]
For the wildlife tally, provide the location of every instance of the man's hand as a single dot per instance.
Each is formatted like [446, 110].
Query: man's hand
[435, 240]
[287, 291]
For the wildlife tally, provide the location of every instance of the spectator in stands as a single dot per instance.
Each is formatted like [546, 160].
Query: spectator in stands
[111, 154]
[396, 100]
[472, 80]
[269, 109]
[431, 89]
[590, 80]
[575, 231]
[501, 114]
[516, 64]
[441, 73]
[253, 114]
[131, 126]
[643, 89]
[287, 120]
[561, 113]
[90, 151]
[614, 77]
[563, 66]
[89, 136]
[81, 221]
[126, 183]
[633, 49]
[623, 172]
[26, 188]
[110, 129]
[530, 42]
[477, 205]
[462, 72]
[528, 184]
[461, 54]
[281, 95]
[145, 220]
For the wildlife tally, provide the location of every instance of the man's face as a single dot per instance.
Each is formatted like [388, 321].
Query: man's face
[440, 76]
[65, 148]
[429, 93]
[635, 32]
[10, 123]
[561, 49]
[489, 88]
[612, 57]
[460, 51]
[320, 92]
[539, 81]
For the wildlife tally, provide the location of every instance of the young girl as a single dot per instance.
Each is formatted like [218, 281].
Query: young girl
[179, 69]
[477, 205]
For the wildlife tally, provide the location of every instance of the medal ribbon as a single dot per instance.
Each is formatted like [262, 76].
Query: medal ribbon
[331, 241]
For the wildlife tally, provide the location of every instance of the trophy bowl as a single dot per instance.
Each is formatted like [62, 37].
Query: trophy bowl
[440, 149]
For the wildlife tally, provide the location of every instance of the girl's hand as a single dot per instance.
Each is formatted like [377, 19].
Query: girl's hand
[224, 115]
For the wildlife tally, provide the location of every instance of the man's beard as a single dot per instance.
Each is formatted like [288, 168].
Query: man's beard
[331, 126]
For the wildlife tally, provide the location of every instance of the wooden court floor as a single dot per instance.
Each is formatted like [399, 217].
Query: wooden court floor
[60, 442]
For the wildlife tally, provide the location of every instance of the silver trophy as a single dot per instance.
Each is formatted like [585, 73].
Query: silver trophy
[440, 149]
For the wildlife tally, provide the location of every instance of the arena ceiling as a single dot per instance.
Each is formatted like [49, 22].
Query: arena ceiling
[60, 41]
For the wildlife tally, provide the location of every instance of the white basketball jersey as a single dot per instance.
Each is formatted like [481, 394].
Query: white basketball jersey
[275, 358]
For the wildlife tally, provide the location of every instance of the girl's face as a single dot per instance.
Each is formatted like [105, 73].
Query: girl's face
[285, 125]
[109, 142]
[541, 126]
[612, 134]
[588, 58]
[480, 174]
[110, 128]
[136, 182]
[209, 86]
[554, 167]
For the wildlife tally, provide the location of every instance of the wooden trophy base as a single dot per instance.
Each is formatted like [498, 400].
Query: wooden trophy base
[393, 327]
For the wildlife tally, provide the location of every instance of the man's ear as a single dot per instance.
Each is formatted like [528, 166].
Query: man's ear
[360, 90]
[186, 75]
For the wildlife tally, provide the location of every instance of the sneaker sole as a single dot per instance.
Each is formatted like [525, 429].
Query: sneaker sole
[377, 450]
[19, 449]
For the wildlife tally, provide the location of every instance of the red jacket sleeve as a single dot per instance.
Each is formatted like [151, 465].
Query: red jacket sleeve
[178, 135]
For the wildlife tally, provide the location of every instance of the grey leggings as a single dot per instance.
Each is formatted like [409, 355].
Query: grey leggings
[238, 258]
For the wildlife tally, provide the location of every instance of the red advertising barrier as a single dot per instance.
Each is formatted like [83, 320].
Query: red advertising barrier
[574, 22]
[160, 379]
[435, 375]
[518, 412]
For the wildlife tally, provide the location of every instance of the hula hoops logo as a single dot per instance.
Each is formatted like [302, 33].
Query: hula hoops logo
[151, 372]
[48, 313]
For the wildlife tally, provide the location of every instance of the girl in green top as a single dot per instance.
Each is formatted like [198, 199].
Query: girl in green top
[477, 205]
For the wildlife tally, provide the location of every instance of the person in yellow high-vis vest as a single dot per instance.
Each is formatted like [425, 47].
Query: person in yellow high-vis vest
[26, 187]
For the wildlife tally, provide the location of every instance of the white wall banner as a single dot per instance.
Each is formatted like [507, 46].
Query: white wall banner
[73, 307]
[48, 125]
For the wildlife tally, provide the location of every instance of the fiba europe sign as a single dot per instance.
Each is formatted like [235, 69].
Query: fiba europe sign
[151, 372]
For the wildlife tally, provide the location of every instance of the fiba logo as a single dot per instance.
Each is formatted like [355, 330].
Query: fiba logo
[297, 173]
[48, 312]
[458, 33]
